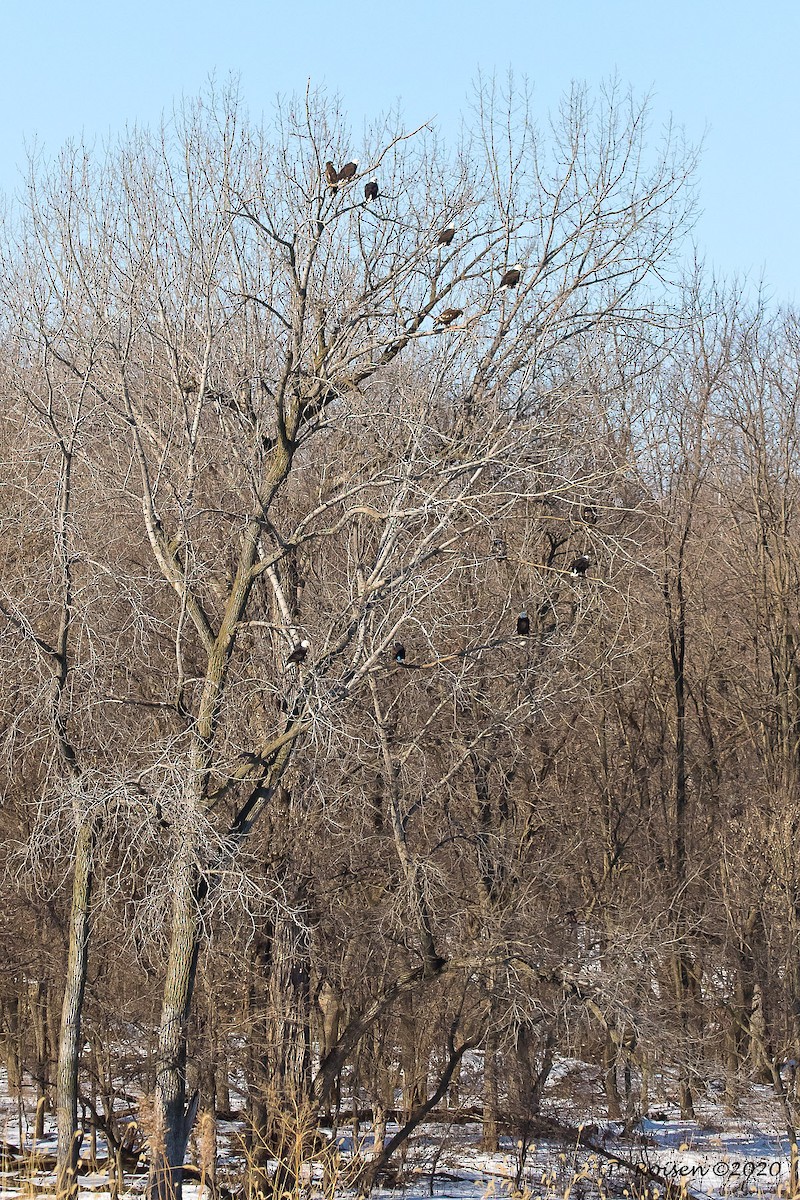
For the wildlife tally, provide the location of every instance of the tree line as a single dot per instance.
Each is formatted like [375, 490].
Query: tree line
[256, 859]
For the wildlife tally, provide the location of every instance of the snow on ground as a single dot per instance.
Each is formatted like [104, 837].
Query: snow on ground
[716, 1155]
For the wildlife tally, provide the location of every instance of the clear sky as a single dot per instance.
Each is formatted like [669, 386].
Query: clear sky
[727, 72]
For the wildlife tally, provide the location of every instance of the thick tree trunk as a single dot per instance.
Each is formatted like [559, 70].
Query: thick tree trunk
[37, 1002]
[173, 1117]
[329, 1003]
[69, 1046]
[534, 1061]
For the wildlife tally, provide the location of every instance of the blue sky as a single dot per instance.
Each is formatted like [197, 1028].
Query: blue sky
[726, 72]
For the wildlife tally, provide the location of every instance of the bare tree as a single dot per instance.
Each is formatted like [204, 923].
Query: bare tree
[308, 411]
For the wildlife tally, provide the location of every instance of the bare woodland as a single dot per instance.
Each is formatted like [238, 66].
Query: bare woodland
[237, 416]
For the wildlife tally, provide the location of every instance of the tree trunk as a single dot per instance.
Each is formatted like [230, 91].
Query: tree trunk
[490, 1142]
[454, 1091]
[37, 1001]
[330, 1007]
[378, 1129]
[173, 1117]
[70, 1045]
[681, 965]
[682, 979]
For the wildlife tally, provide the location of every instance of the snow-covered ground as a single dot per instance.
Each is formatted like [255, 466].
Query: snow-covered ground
[715, 1155]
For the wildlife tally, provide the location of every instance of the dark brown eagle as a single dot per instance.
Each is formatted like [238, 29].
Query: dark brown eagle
[332, 175]
[448, 315]
[370, 191]
[512, 276]
[347, 172]
[299, 653]
[445, 237]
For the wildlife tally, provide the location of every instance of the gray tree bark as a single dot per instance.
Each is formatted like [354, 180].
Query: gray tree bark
[70, 1044]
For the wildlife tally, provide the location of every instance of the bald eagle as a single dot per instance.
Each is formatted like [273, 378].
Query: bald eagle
[578, 567]
[445, 237]
[523, 624]
[448, 315]
[512, 276]
[347, 172]
[299, 653]
[399, 652]
[370, 191]
[332, 175]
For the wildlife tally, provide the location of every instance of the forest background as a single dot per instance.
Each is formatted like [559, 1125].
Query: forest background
[248, 405]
